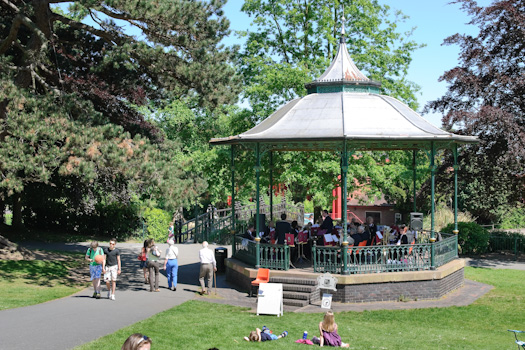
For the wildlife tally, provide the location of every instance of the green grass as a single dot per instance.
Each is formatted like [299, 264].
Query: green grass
[482, 325]
[24, 283]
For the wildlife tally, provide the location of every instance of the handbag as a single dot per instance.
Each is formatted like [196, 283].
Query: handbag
[142, 256]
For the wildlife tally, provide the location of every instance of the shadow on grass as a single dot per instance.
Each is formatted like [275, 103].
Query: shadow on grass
[43, 273]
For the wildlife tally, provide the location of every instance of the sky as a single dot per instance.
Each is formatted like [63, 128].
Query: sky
[434, 21]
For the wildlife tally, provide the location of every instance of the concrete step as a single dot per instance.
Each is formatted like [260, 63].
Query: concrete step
[299, 288]
[295, 302]
[295, 295]
[294, 280]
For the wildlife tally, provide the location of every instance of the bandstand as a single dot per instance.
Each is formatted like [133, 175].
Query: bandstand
[344, 112]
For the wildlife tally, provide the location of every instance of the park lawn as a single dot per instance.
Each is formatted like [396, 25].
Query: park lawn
[30, 282]
[482, 325]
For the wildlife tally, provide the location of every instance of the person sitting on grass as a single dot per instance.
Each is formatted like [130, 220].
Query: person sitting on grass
[328, 332]
[137, 341]
[264, 335]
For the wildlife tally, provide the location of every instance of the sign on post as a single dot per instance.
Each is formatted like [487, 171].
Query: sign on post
[326, 303]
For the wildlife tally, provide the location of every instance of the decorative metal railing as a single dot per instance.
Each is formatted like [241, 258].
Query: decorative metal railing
[512, 242]
[271, 256]
[216, 224]
[385, 258]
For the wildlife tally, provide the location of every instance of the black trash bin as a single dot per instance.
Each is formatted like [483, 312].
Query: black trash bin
[221, 254]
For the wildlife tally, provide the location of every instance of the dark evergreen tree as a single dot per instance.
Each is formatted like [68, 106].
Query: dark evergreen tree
[70, 83]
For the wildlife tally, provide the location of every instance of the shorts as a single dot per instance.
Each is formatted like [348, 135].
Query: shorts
[95, 271]
[111, 273]
[144, 264]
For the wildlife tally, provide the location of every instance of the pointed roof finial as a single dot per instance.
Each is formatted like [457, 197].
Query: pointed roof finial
[343, 32]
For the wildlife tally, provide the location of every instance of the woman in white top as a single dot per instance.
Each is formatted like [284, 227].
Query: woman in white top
[171, 265]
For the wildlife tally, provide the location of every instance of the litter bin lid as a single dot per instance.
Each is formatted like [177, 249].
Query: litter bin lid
[220, 249]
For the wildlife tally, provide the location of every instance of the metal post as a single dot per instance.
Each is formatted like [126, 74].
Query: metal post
[196, 228]
[414, 170]
[455, 153]
[344, 171]
[257, 252]
[258, 190]
[233, 188]
[271, 186]
[433, 204]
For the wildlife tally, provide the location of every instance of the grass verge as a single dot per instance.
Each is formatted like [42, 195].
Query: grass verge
[482, 325]
[24, 282]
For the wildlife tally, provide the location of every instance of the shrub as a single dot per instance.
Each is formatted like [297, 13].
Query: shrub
[157, 221]
[472, 238]
[444, 216]
[119, 220]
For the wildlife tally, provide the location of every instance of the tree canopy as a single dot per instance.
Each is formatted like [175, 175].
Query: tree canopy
[291, 43]
[485, 98]
[72, 79]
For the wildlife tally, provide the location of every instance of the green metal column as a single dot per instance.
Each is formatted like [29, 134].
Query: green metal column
[414, 169]
[257, 184]
[271, 186]
[344, 171]
[233, 186]
[433, 204]
[455, 153]
[456, 231]
[232, 231]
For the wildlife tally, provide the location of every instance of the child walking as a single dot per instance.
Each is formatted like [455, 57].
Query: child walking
[264, 335]
[328, 332]
[95, 268]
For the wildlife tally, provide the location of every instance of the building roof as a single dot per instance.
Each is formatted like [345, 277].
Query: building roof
[345, 105]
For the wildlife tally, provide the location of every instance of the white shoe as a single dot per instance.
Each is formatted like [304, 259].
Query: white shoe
[112, 297]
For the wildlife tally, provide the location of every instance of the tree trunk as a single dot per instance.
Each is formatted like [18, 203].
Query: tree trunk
[2, 211]
[17, 211]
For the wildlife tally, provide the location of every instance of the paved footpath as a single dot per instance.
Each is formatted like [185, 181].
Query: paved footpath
[78, 319]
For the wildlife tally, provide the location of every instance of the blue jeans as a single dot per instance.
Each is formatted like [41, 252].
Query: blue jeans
[172, 269]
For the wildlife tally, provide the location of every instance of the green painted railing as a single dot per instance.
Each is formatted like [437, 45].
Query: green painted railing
[509, 243]
[271, 256]
[244, 251]
[274, 256]
[381, 258]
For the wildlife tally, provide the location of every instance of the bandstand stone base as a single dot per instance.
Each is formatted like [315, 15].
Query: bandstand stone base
[388, 286]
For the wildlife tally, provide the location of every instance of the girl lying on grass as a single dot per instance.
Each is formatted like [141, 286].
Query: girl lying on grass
[264, 335]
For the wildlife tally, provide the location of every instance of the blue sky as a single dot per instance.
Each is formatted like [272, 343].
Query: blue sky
[435, 20]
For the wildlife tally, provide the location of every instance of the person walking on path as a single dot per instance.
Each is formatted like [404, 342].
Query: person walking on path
[208, 266]
[171, 265]
[143, 257]
[95, 269]
[153, 266]
[111, 267]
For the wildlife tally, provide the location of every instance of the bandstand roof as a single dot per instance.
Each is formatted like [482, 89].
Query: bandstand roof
[343, 104]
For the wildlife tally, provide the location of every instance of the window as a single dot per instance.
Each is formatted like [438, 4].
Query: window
[398, 218]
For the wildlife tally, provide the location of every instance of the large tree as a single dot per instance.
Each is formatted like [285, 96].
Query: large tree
[72, 80]
[290, 44]
[485, 98]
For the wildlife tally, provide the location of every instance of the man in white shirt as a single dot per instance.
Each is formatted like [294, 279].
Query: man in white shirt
[208, 265]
